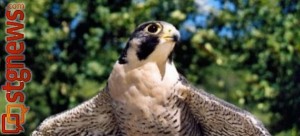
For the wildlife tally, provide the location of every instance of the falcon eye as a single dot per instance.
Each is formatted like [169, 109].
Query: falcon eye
[153, 28]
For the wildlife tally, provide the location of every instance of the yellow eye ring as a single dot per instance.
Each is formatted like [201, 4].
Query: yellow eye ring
[153, 28]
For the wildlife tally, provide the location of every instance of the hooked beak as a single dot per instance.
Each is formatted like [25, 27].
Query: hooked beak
[173, 37]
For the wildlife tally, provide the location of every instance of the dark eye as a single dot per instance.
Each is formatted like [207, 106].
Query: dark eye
[153, 28]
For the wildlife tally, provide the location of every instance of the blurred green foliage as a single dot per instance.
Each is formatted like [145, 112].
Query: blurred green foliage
[246, 52]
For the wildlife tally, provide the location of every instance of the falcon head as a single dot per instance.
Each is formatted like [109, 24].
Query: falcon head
[150, 42]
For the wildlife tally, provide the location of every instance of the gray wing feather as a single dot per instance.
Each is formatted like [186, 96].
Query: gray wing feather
[93, 117]
[218, 117]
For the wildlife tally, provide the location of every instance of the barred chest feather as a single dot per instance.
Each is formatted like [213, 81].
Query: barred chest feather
[148, 103]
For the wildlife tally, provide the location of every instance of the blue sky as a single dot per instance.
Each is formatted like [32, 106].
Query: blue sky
[206, 8]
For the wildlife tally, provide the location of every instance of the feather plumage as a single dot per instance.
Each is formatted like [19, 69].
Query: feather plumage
[145, 95]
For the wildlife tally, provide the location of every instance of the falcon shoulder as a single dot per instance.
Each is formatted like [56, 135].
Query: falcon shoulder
[93, 117]
[218, 117]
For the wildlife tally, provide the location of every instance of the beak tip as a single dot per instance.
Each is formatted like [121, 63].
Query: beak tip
[175, 38]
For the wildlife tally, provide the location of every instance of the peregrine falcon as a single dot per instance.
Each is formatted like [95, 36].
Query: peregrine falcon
[145, 95]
